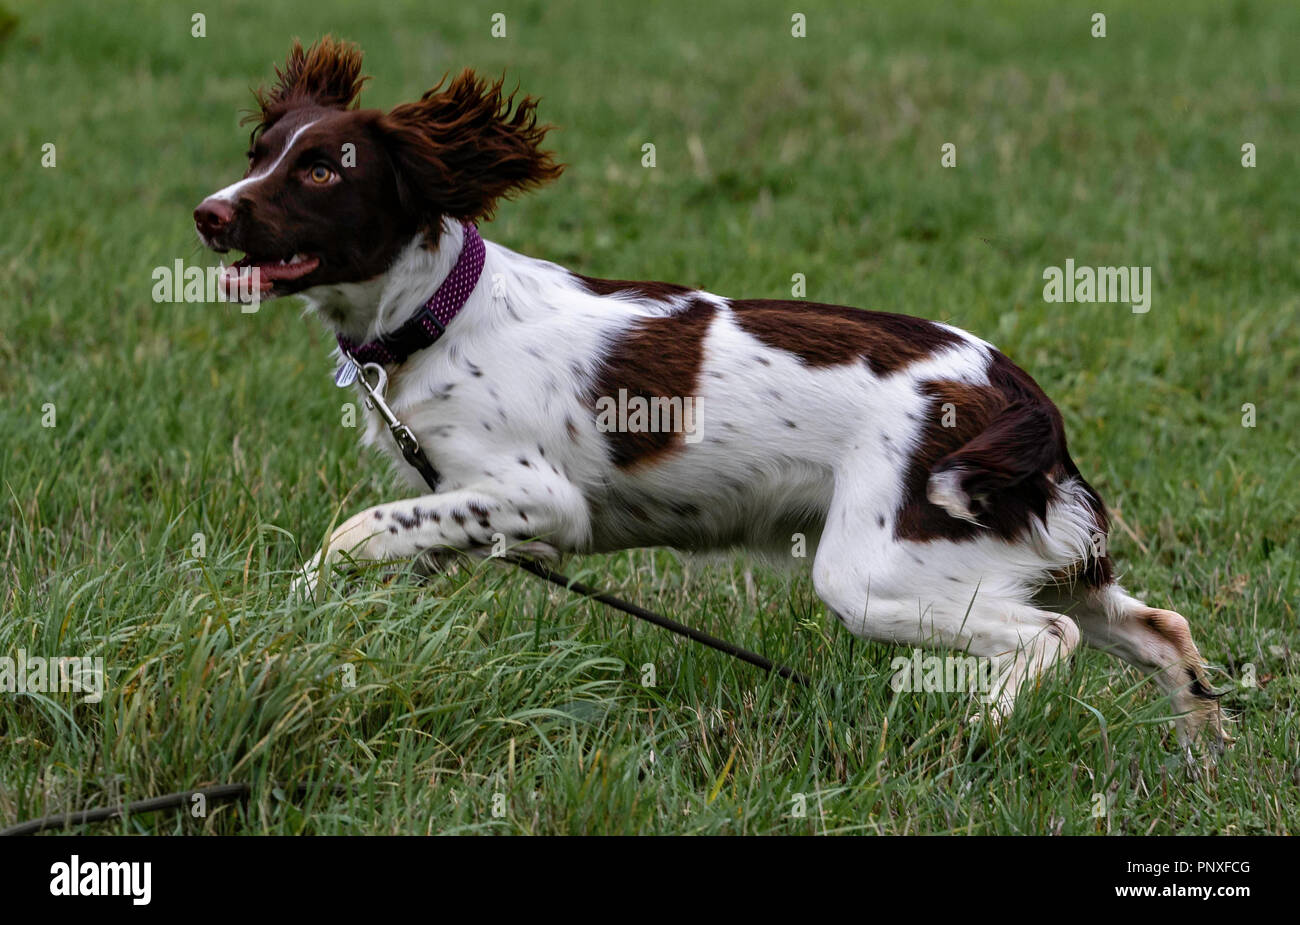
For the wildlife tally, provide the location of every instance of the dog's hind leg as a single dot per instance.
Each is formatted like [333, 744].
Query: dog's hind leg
[1159, 643]
[1021, 642]
[942, 594]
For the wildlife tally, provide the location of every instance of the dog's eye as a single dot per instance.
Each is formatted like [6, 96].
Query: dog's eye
[321, 174]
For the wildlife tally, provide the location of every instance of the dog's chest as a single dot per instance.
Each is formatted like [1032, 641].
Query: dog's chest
[476, 412]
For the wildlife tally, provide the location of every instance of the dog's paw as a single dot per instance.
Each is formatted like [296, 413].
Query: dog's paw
[1200, 721]
[306, 580]
[986, 715]
[355, 541]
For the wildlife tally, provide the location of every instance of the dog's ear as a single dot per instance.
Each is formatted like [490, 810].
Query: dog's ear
[326, 74]
[460, 149]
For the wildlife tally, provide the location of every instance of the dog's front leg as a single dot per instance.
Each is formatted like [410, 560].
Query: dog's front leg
[466, 519]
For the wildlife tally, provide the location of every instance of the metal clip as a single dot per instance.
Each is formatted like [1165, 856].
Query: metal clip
[403, 436]
[375, 393]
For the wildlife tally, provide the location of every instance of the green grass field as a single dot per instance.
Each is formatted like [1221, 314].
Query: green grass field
[776, 155]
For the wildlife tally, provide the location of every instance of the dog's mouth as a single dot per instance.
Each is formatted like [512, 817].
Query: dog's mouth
[261, 275]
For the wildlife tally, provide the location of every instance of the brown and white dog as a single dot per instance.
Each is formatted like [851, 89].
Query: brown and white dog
[929, 471]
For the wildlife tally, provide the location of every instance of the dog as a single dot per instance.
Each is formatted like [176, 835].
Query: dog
[578, 414]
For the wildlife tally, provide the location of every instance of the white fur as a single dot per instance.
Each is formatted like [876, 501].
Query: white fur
[232, 192]
[944, 489]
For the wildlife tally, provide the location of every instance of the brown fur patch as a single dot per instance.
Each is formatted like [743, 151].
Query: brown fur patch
[973, 407]
[1008, 441]
[831, 335]
[657, 358]
[659, 292]
[328, 74]
[1173, 627]
[464, 146]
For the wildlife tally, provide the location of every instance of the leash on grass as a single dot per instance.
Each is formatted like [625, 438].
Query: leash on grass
[681, 629]
[219, 793]
[415, 456]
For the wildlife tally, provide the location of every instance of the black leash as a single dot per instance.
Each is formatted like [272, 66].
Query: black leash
[415, 456]
[681, 629]
[220, 793]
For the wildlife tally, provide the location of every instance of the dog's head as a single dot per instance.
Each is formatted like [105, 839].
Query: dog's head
[332, 192]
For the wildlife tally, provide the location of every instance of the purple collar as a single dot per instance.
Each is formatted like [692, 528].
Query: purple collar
[429, 323]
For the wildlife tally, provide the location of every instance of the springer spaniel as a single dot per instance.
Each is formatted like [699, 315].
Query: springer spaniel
[930, 473]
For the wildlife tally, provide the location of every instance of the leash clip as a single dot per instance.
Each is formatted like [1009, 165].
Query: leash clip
[352, 371]
[375, 393]
[403, 436]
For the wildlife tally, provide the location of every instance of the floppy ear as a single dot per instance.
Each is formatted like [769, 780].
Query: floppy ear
[460, 149]
[326, 74]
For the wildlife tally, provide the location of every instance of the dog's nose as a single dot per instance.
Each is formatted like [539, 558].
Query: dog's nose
[212, 216]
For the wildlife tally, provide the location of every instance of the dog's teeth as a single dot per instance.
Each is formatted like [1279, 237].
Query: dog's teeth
[296, 258]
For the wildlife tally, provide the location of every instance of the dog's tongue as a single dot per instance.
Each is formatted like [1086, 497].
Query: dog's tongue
[247, 275]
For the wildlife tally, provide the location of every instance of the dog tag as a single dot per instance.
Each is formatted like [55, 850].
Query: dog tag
[345, 375]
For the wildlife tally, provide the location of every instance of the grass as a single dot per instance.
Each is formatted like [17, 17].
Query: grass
[775, 156]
